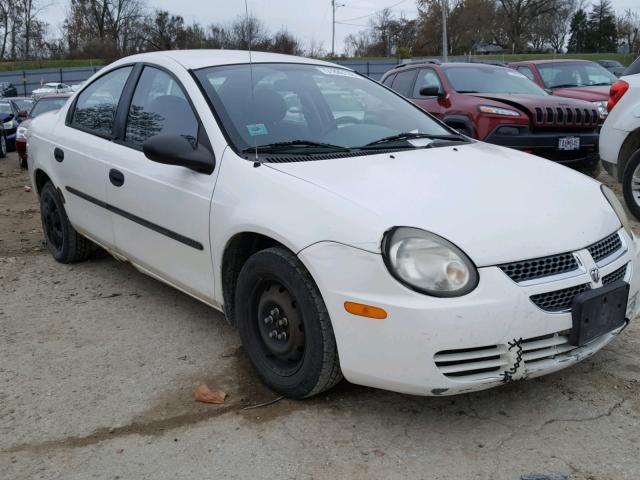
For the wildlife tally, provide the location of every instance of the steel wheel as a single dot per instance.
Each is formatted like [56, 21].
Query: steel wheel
[52, 221]
[279, 324]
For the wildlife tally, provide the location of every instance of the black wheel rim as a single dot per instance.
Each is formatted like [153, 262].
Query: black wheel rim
[278, 327]
[52, 222]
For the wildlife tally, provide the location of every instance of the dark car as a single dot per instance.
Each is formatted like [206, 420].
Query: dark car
[501, 106]
[8, 90]
[613, 66]
[11, 115]
[47, 103]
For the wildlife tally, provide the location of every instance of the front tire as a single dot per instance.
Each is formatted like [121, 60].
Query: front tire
[3, 145]
[284, 325]
[631, 184]
[63, 242]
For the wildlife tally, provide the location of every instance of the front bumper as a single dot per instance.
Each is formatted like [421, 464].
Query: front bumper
[410, 351]
[546, 144]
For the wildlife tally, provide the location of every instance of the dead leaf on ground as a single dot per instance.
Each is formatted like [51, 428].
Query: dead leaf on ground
[205, 395]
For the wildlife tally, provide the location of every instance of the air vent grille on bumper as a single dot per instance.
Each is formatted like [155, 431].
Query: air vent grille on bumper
[605, 247]
[540, 267]
[472, 363]
[559, 300]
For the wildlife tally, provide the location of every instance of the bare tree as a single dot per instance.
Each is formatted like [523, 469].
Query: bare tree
[519, 14]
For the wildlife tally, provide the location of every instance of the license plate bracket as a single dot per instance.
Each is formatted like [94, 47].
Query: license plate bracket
[569, 143]
[598, 311]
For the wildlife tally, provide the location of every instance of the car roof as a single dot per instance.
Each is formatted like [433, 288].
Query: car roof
[195, 59]
[556, 60]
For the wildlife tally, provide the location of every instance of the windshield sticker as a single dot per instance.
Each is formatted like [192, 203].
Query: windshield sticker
[338, 71]
[257, 129]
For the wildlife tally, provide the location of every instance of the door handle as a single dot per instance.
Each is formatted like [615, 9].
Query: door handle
[58, 154]
[116, 177]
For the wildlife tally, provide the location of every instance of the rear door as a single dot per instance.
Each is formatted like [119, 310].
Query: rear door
[82, 153]
[161, 212]
[403, 83]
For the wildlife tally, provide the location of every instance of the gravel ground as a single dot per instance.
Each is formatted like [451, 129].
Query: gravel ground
[98, 364]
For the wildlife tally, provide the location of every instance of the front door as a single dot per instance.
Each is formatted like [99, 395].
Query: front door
[161, 212]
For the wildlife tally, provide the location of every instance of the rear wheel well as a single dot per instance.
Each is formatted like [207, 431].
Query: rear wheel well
[237, 252]
[41, 179]
[629, 146]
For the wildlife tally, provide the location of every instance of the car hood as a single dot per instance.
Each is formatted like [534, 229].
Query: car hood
[496, 204]
[528, 102]
[590, 94]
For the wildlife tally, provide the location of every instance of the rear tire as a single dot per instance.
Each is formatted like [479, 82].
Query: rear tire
[275, 293]
[631, 188]
[63, 242]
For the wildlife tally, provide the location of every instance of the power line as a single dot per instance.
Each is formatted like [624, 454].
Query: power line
[373, 13]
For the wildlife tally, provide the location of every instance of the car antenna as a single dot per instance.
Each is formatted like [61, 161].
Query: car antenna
[256, 161]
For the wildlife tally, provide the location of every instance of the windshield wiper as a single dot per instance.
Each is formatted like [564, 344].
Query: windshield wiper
[467, 91]
[295, 146]
[565, 85]
[403, 137]
[601, 84]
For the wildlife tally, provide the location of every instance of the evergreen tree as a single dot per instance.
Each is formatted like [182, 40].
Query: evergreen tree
[579, 32]
[602, 35]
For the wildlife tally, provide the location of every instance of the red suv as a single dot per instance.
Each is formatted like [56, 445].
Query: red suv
[579, 79]
[499, 105]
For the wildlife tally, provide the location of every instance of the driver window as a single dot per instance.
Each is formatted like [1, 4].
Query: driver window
[159, 106]
[427, 77]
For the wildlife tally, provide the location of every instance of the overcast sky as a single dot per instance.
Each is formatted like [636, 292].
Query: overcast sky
[306, 19]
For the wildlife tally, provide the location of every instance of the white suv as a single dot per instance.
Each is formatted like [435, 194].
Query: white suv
[620, 136]
[343, 230]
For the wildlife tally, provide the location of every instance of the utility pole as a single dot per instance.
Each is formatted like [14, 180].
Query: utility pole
[334, 5]
[445, 48]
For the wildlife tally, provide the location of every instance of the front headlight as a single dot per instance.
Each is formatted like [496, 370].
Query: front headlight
[8, 125]
[506, 112]
[428, 263]
[601, 107]
[21, 132]
[618, 208]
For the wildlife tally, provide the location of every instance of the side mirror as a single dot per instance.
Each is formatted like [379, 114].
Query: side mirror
[431, 91]
[177, 150]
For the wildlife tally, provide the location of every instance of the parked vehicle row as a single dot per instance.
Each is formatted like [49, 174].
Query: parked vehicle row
[12, 112]
[501, 106]
[338, 226]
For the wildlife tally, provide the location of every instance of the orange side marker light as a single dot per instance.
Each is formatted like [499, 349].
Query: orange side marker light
[365, 310]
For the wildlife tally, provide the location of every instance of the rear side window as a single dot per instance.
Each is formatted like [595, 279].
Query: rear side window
[634, 68]
[404, 82]
[95, 109]
[389, 80]
[159, 107]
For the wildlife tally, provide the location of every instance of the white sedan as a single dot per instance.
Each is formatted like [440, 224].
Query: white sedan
[51, 87]
[381, 246]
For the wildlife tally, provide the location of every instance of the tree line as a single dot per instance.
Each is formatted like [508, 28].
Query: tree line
[509, 26]
[111, 29]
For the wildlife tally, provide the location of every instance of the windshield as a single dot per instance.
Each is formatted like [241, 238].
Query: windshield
[47, 105]
[309, 104]
[24, 104]
[490, 80]
[5, 108]
[575, 74]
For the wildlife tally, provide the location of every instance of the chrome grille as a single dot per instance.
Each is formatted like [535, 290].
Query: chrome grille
[559, 300]
[605, 247]
[615, 275]
[565, 116]
[540, 267]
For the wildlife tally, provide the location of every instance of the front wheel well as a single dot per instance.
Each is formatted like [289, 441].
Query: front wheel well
[238, 250]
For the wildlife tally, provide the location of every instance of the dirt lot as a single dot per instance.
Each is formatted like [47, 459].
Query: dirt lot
[98, 364]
